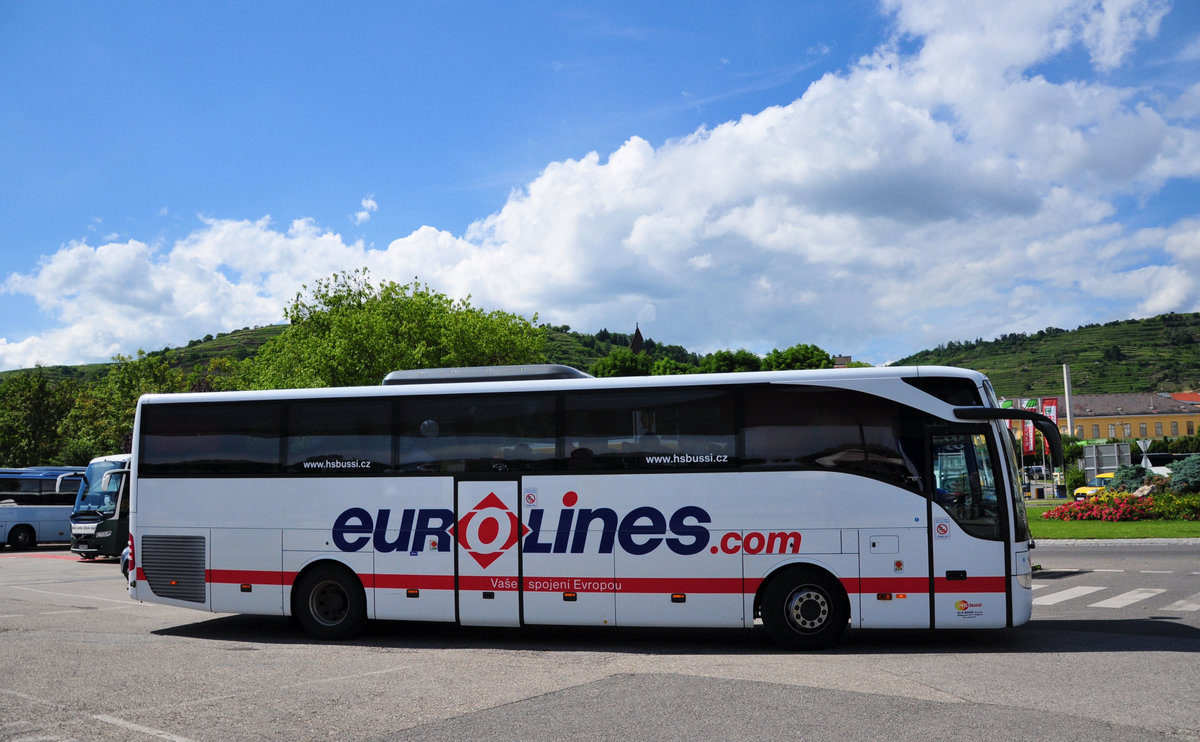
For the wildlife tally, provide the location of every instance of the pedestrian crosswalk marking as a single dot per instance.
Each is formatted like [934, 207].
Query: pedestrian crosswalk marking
[1129, 598]
[1068, 594]
[1187, 604]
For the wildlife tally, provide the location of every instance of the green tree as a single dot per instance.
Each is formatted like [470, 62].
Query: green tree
[222, 374]
[1185, 476]
[101, 421]
[800, 356]
[1129, 476]
[671, 367]
[31, 410]
[621, 362]
[346, 331]
[729, 361]
[1074, 479]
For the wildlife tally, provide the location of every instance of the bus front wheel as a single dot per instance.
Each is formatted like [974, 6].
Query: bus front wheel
[22, 538]
[328, 603]
[805, 608]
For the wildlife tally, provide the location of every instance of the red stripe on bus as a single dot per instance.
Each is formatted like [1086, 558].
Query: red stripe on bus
[971, 585]
[418, 582]
[605, 584]
[248, 576]
[893, 585]
[632, 585]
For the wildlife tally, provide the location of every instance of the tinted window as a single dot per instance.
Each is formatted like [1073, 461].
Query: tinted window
[214, 438]
[951, 390]
[39, 490]
[474, 433]
[835, 430]
[650, 429]
[339, 437]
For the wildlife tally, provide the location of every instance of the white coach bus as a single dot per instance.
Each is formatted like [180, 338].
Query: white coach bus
[510, 496]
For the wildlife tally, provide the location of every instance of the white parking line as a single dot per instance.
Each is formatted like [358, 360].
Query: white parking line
[1129, 598]
[1069, 593]
[1187, 604]
[1157, 572]
[141, 729]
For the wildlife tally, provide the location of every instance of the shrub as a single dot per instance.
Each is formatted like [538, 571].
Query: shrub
[1129, 476]
[1185, 476]
[1075, 479]
[1172, 506]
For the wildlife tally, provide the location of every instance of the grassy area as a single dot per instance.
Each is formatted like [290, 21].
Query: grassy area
[1049, 529]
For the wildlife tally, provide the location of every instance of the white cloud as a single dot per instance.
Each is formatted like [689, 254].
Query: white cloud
[916, 198]
[368, 207]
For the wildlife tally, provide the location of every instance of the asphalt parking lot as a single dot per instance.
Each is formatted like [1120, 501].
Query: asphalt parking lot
[84, 662]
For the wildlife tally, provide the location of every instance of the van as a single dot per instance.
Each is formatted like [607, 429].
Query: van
[1099, 482]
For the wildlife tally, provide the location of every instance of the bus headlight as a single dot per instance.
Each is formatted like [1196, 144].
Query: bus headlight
[1025, 580]
[103, 534]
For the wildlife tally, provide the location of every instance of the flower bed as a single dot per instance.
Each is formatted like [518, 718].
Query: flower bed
[1106, 506]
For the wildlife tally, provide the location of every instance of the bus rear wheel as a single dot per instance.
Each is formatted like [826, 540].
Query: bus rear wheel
[22, 538]
[328, 603]
[804, 608]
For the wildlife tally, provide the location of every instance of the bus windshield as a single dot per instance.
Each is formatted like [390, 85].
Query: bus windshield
[95, 494]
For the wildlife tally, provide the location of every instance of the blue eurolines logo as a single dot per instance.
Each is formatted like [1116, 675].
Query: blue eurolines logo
[490, 529]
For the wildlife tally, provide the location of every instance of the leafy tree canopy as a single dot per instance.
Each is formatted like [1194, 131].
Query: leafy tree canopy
[101, 422]
[802, 356]
[727, 361]
[31, 408]
[347, 331]
[622, 362]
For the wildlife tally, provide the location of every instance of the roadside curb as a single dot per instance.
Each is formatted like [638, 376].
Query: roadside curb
[1155, 541]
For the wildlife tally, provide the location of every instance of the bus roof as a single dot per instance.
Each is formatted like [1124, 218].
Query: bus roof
[41, 472]
[850, 378]
[535, 372]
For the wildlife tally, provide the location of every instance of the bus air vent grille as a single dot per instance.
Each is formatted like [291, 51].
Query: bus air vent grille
[174, 566]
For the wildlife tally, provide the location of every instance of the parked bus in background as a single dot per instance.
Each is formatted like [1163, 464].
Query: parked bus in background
[511, 496]
[33, 510]
[100, 519]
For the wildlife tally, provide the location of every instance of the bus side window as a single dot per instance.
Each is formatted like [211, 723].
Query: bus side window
[210, 439]
[650, 429]
[796, 427]
[339, 437]
[478, 433]
[965, 482]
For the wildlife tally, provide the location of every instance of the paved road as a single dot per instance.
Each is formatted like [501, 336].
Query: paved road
[79, 660]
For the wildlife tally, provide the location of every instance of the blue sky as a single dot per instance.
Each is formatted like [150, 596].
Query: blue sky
[872, 177]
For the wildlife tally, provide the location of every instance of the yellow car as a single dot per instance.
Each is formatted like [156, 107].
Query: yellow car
[1098, 483]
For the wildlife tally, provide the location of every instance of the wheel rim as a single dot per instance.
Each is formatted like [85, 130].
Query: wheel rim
[329, 603]
[807, 609]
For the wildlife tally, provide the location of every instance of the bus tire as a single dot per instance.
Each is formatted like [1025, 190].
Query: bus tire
[805, 608]
[329, 603]
[22, 538]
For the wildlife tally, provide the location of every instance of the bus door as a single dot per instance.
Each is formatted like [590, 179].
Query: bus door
[969, 531]
[567, 563]
[894, 577]
[487, 542]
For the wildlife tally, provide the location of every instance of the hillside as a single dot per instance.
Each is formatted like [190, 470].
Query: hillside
[1148, 355]
[238, 344]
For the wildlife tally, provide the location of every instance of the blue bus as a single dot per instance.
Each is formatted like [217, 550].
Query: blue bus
[36, 504]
